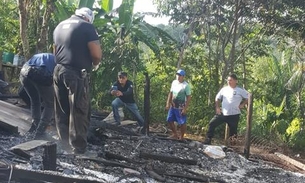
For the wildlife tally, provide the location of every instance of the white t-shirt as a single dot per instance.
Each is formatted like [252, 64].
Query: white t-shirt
[231, 99]
[180, 91]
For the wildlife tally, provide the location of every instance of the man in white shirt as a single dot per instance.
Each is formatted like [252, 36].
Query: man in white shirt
[233, 99]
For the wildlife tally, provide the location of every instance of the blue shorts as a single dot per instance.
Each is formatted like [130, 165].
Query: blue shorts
[174, 114]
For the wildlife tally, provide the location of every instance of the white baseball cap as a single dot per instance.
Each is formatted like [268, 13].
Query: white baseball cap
[85, 12]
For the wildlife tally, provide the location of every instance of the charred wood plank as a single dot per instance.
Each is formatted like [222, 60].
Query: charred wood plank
[43, 176]
[154, 175]
[196, 177]
[291, 161]
[189, 177]
[105, 162]
[216, 180]
[15, 110]
[110, 155]
[21, 153]
[10, 128]
[167, 158]
[29, 145]
[49, 156]
[12, 116]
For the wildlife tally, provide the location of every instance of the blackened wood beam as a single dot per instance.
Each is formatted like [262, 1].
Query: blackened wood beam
[167, 158]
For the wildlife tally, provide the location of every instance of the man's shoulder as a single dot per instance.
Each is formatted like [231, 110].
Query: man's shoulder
[175, 81]
[75, 21]
[128, 82]
[240, 88]
[186, 83]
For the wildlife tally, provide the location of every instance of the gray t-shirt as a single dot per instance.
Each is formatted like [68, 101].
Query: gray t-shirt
[231, 99]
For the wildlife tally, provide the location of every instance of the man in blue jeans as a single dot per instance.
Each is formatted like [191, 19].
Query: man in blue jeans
[122, 89]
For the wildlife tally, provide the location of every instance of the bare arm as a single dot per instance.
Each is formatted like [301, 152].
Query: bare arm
[95, 51]
[169, 100]
[54, 49]
[217, 107]
[244, 102]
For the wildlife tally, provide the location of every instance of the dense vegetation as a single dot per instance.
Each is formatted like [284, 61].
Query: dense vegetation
[261, 41]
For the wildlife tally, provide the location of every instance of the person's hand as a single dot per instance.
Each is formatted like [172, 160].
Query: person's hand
[113, 92]
[95, 67]
[218, 110]
[119, 93]
[183, 112]
[242, 106]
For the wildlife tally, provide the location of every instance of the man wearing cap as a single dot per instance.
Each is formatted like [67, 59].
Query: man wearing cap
[233, 99]
[177, 103]
[122, 89]
[77, 51]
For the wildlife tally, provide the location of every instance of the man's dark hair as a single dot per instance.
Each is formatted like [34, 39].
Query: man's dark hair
[233, 76]
[122, 73]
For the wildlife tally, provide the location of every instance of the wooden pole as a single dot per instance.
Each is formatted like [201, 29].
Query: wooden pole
[1, 73]
[227, 130]
[147, 103]
[249, 126]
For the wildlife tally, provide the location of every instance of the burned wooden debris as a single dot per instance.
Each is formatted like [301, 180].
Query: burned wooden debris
[126, 156]
[16, 173]
[49, 156]
[14, 119]
[167, 158]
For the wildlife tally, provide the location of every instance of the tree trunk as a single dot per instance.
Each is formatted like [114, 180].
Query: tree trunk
[229, 62]
[42, 41]
[185, 41]
[23, 19]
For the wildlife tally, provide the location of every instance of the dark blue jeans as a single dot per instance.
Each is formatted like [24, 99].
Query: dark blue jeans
[41, 119]
[132, 107]
[72, 105]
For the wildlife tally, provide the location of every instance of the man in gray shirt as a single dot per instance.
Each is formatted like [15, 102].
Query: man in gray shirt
[233, 99]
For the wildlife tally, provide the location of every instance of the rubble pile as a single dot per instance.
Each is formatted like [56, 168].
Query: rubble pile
[124, 155]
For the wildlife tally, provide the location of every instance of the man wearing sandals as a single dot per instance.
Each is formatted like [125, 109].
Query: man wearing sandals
[177, 103]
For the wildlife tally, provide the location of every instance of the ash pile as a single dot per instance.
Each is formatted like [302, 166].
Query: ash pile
[122, 154]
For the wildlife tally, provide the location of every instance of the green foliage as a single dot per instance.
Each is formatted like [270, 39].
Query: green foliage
[295, 134]
[294, 127]
[9, 27]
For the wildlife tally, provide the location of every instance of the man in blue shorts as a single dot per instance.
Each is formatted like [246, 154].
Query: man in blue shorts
[177, 103]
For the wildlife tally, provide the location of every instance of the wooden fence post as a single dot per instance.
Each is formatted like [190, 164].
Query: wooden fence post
[147, 103]
[249, 126]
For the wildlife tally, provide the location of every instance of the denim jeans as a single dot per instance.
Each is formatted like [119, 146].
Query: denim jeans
[72, 105]
[132, 107]
[41, 119]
